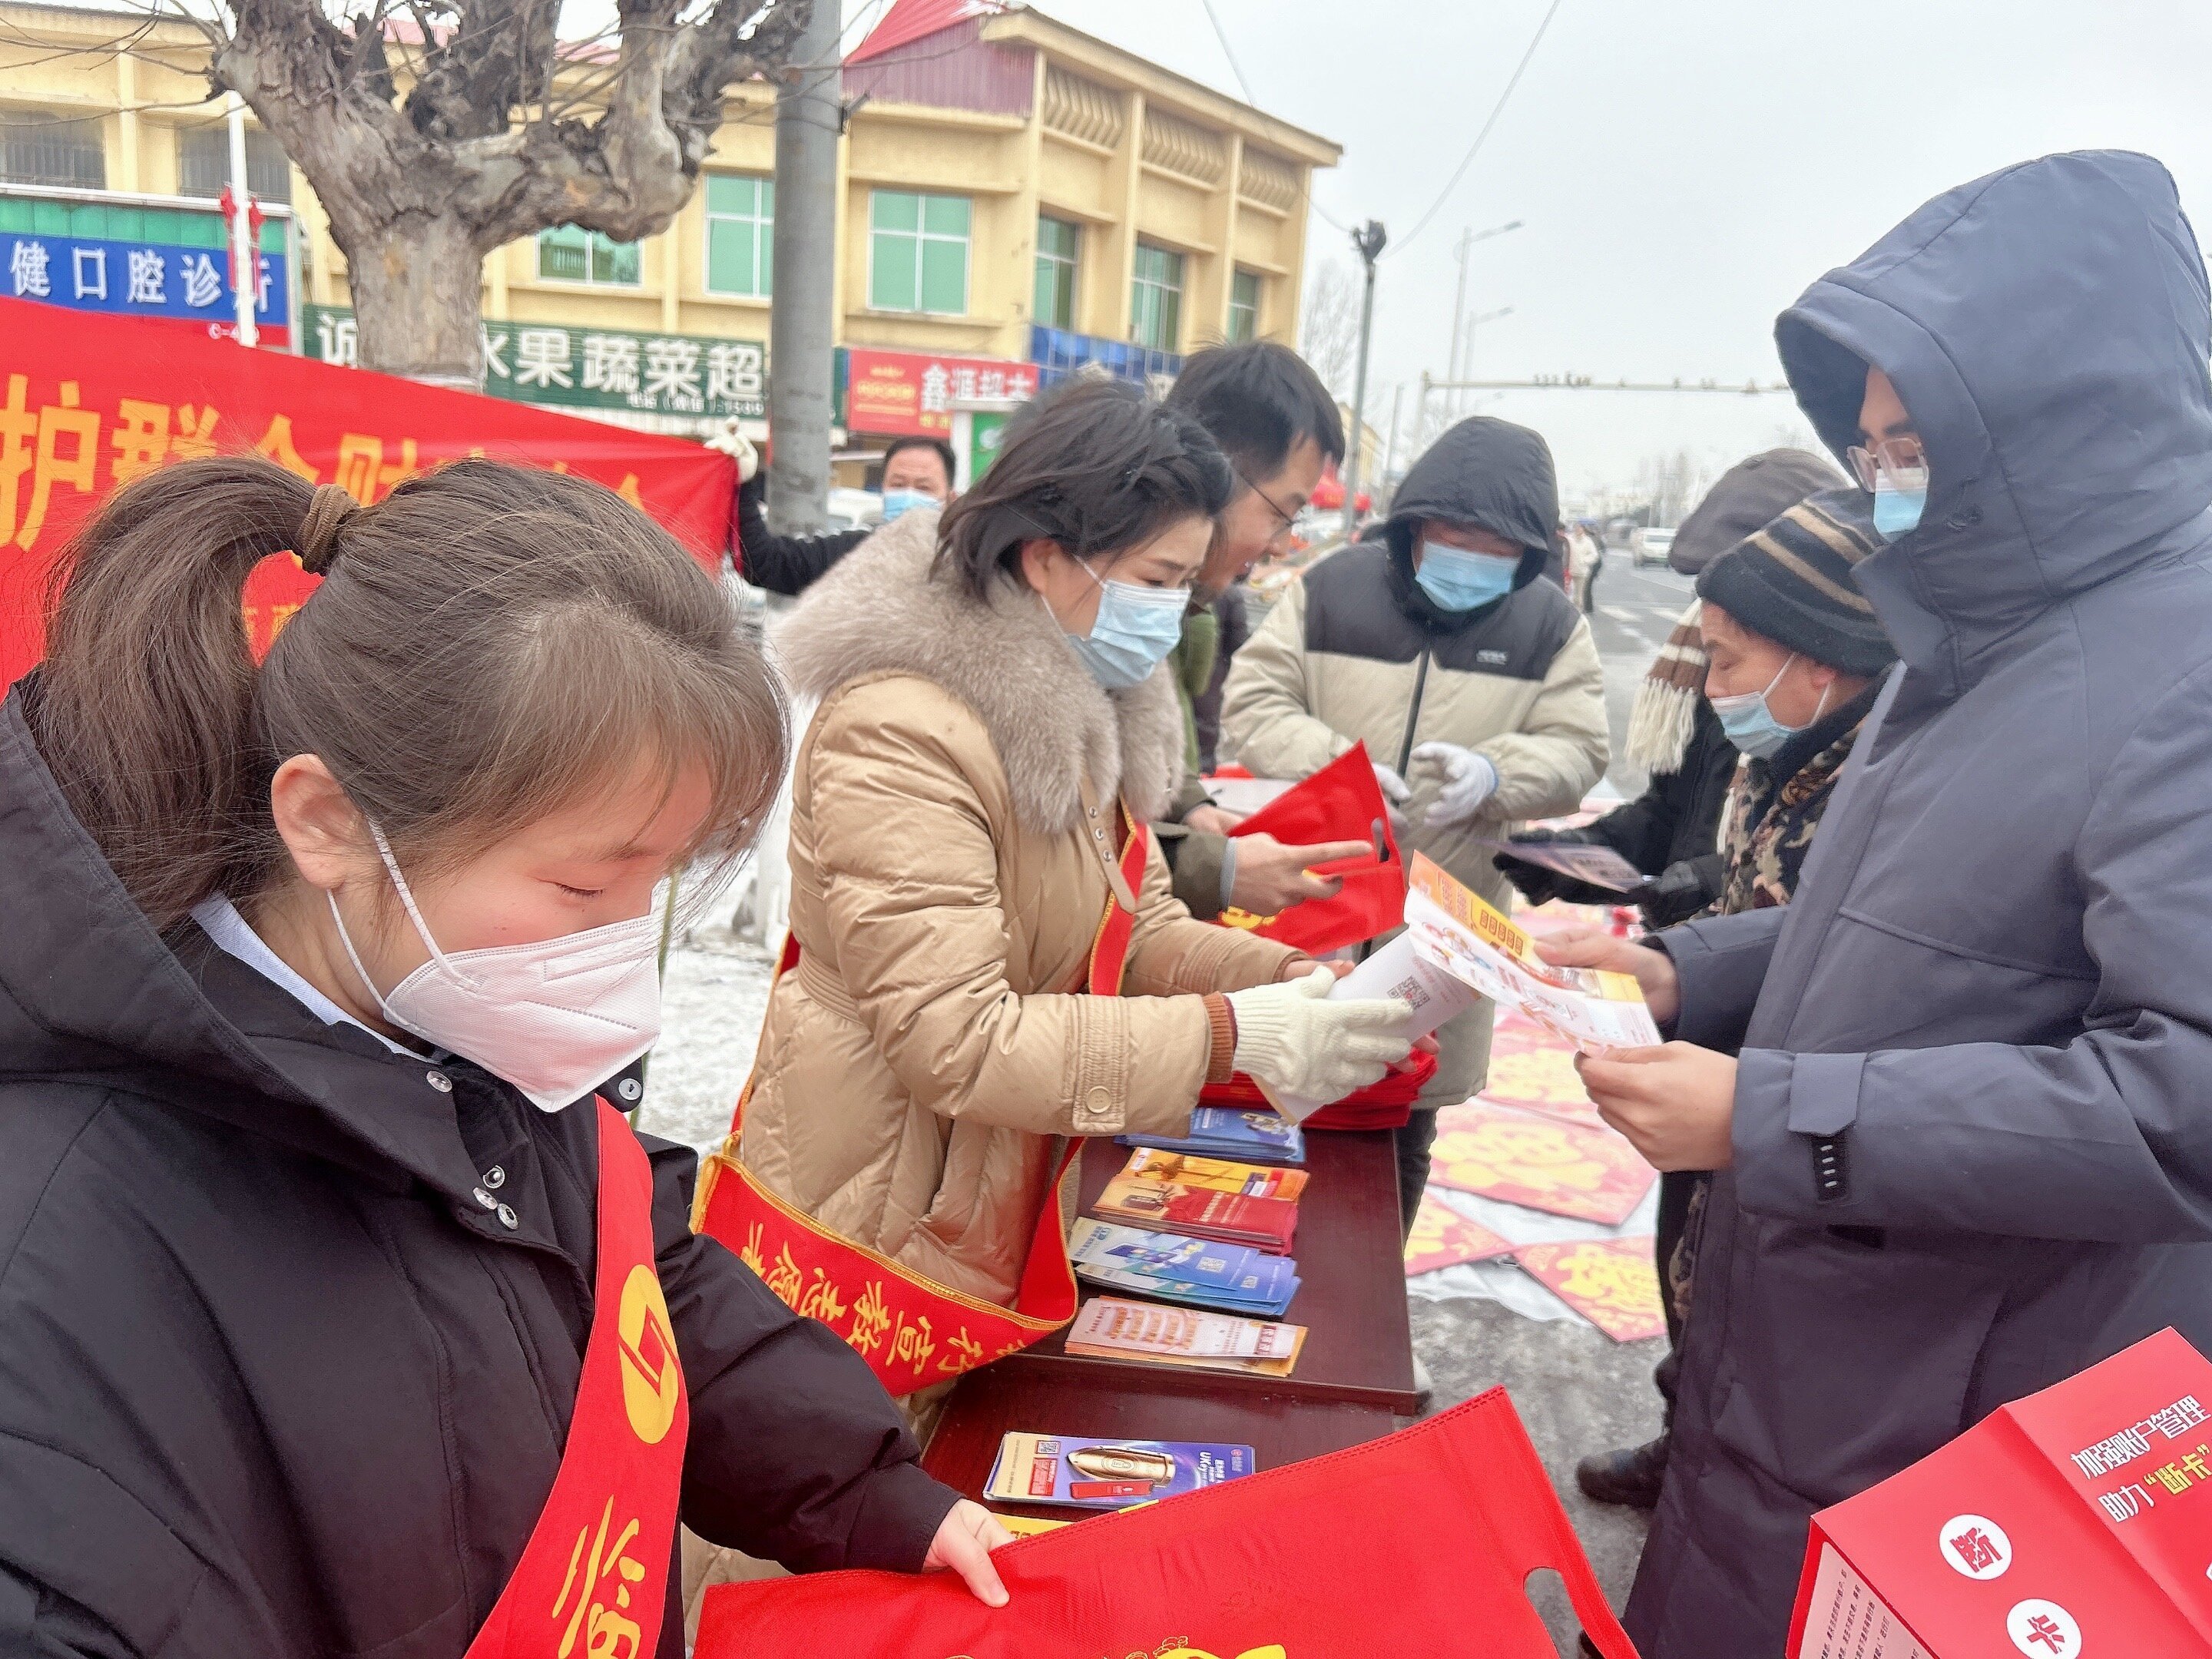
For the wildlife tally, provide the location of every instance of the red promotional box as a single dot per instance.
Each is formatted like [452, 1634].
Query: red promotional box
[2077, 1520]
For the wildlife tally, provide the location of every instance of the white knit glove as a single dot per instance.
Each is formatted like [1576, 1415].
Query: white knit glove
[1468, 780]
[1294, 1040]
[739, 448]
[1393, 786]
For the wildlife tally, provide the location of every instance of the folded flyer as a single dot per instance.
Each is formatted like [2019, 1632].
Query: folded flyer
[1600, 866]
[1108, 1474]
[1214, 1174]
[1109, 1328]
[1234, 1278]
[1394, 970]
[1230, 1132]
[1454, 930]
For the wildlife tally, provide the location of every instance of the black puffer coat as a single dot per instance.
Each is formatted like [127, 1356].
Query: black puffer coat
[273, 1382]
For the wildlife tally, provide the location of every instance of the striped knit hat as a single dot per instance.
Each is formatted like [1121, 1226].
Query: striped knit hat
[1791, 581]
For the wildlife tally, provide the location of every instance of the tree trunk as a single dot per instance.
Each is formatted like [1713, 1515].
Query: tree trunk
[419, 300]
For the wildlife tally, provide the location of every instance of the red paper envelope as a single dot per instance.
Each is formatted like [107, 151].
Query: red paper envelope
[1531, 1067]
[1407, 1545]
[1341, 802]
[1544, 1162]
[1442, 1237]
[1612, 1282]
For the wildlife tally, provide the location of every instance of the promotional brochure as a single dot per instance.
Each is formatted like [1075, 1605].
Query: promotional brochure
[1256, 1137]
[1600, 866]
[1233, 1278]
[1108, 1474]
[1168, 1192]
[1108, 1329]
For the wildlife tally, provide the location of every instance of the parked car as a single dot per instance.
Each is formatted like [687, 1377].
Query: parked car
[1652, 546]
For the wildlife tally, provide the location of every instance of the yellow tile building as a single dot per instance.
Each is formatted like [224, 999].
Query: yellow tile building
[1011, 189]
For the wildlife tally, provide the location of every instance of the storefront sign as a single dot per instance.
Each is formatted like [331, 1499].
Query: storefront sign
[561, 367]
[128, 257]
[896, 393]
[89, 406]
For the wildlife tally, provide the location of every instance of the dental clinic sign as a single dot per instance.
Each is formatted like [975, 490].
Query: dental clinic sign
[560, 367]
[139, 256]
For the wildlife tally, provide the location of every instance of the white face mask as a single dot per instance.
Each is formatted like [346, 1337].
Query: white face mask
[555, 1019]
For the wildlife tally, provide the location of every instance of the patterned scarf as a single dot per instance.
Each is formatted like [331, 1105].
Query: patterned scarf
[1666, 711]
[1764, 858]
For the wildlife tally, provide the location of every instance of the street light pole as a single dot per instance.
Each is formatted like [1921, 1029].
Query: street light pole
[1367, 242]
[1467, 238]
[802, 332]
[244, 257]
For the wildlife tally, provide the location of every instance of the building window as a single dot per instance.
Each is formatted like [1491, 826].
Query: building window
[740, 235]
[203, 163]
[1156, 299]
[918, 253]
[1058, 241]
[1244, 305]
[47, 149]
[569, 253]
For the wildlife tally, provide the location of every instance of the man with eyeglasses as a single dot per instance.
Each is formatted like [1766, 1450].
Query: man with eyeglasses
[1955, 1089]
[1280, 428]
[1475, 685]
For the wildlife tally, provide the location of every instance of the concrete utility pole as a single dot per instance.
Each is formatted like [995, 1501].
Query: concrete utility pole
[1367, 242]
[809, 115]
[1468, 239]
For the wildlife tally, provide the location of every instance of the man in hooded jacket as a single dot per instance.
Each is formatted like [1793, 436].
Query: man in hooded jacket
[1966, 1152]
[1476, 688]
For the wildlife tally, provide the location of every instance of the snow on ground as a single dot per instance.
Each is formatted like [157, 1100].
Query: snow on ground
[713, 1002]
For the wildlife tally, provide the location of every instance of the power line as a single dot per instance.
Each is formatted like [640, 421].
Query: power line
[1497, 110]
[1245, 87]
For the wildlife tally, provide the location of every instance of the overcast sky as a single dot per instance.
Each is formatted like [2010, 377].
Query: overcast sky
[1683, 170]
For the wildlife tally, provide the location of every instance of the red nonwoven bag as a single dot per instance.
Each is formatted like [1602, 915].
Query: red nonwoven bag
[1341, 802]
[1384, 1105]
[1417, 1543]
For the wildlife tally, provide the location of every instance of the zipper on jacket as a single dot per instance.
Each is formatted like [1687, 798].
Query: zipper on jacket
[1414, 714]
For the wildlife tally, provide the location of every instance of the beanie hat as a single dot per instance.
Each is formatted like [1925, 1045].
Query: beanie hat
[1745, 497]
[1792, 582]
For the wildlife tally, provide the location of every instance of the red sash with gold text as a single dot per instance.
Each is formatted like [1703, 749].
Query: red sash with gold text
[592, 1582]
[912, 1330]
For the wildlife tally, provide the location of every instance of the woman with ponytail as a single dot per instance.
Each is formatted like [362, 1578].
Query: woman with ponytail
[341, 1315]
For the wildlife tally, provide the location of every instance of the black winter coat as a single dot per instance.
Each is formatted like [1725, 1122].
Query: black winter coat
[272, 1381]
[782, 564]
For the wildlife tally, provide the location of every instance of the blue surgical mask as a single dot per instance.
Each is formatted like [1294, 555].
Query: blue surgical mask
[1135, 629]
[1750, 723]
[897, 501]
[1458, 580]
[1900, 498]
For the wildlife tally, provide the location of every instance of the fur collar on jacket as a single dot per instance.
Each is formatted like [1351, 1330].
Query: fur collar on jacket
[878, 610]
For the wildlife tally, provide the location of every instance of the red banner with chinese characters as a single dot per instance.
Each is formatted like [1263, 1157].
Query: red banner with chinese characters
[913, 392]
[87, 403]
[2076, 1520]
[1421, 1542]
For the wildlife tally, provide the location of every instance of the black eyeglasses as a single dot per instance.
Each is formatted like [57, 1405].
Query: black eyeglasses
[1289, 521]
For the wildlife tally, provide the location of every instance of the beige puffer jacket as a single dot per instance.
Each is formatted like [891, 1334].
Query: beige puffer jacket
[948, 876]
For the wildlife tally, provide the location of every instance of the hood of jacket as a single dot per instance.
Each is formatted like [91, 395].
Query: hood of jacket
[880, 610]
[89, 992]
[1484, 472]
[2046, 328]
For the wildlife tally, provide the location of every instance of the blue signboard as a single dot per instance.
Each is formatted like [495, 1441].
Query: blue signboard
[133, 262]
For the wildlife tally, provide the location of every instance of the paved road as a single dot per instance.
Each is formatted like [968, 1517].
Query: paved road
[1577, 1391]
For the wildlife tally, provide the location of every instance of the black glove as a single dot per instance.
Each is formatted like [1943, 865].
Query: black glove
[1681, 889]
[1537, 884]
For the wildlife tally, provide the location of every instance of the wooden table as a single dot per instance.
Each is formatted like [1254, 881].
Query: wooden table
[1352, 1297]
[1354, 1380]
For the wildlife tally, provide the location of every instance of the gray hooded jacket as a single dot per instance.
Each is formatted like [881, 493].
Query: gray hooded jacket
[1972, 1135]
